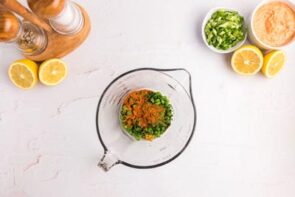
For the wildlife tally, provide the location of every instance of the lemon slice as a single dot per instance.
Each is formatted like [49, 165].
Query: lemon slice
[23, 73]
[247, 60]
[273, 63]
[52, 72]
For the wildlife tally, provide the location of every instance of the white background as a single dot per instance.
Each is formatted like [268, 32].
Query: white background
[245, 139]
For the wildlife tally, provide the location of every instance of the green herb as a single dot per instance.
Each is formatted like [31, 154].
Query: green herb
[225, 29]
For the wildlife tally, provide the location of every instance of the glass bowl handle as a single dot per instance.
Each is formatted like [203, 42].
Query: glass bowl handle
[108, 161]
[182, 76]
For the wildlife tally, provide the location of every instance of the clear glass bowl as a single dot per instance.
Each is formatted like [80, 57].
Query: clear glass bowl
[119, 148]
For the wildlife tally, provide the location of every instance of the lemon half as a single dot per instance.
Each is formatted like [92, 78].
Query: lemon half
[52, 72]
[23, 73]
[247, 60]
[273, 63]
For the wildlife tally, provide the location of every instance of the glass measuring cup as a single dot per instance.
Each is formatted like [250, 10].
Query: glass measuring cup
[120, 148]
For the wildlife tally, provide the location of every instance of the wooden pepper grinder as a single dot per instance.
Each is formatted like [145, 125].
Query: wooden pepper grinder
[66, 26]
[9, 26]
[64, 16]
[30, 39]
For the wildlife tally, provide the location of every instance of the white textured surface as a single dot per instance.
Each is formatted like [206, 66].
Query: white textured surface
[245, 138]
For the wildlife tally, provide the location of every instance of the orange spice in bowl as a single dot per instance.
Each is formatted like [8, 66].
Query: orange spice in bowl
[145, 114]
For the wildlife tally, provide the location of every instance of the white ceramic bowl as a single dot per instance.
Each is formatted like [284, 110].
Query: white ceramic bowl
[207, 18]
[252, 35]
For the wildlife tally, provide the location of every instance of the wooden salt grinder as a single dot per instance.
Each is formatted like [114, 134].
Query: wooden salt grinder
[58, 45]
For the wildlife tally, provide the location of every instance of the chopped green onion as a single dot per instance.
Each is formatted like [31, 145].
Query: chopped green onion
[225, 29]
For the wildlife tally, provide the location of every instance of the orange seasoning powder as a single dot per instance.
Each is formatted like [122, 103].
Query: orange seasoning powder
[144, 112]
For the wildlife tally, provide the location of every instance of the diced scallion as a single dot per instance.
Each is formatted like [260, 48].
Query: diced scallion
[225, 29]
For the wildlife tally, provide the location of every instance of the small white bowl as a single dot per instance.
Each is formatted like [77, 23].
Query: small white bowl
[207, 18]
[252, 35]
